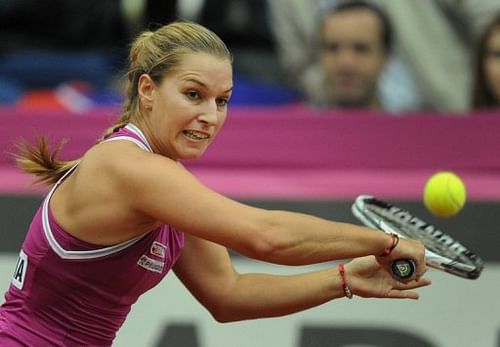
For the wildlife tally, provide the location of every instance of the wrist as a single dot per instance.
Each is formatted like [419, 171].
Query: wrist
[343, 282]
[391, 245]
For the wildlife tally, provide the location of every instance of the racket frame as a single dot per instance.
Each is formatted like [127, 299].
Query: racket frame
[453, 266]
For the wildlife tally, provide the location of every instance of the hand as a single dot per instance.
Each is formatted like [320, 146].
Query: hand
[369, 278]
[407, 249]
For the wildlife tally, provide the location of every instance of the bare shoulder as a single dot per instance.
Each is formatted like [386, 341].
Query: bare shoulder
[132, 172]
[160, 189]
[123, 161]
[114, 172]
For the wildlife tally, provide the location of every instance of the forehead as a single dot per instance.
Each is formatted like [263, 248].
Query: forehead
[203, 66]
[354, 24]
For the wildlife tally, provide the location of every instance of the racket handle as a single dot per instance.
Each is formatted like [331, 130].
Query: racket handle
[403, 269]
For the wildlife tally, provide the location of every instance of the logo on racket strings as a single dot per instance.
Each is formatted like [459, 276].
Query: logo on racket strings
[439, 236]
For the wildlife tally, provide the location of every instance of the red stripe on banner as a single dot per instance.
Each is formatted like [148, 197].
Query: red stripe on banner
[297, 152]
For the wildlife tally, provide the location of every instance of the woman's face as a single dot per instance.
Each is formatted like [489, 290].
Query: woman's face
[186, 111]
[492, 63]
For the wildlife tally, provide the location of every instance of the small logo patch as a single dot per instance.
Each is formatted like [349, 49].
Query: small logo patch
[20, 271]
[402, 268]
[151, 264]
[158, 249]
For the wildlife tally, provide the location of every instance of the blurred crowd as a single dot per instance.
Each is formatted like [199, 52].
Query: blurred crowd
[395, 57]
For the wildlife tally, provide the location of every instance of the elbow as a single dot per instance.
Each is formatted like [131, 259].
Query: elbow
[224, 314]
[222, 318]
[228, 305]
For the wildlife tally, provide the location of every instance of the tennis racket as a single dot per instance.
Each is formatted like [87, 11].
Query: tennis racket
[442, 252]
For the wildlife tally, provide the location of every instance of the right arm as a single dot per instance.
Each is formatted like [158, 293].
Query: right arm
[164, 190]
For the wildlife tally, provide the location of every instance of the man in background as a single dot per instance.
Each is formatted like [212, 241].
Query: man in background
[340, 54]
[355, 44]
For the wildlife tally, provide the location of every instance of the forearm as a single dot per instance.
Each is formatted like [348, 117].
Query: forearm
[299, 239]
[261, 295]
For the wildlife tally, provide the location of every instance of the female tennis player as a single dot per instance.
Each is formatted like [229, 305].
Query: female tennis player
[118, 219]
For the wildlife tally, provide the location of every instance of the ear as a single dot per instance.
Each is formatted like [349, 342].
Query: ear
[145, 89]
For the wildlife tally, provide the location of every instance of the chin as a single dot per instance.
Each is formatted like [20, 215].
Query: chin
[351, 104]
[190, 155]
[351, 101]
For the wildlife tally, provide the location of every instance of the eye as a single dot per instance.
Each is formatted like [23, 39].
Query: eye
[330, 47]
[193, 94]
[361, 48]
[494, 54]
[222, 102]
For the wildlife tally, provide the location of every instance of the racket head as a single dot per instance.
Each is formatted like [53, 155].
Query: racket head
[442, 251]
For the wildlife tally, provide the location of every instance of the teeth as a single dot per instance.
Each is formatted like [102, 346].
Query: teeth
[196, 135]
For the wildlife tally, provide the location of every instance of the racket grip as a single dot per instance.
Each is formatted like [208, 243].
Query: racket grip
[403, 269]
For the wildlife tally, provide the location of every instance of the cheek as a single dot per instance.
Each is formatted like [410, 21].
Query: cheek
[328, 62]
[492, 70]
[223, 117]
[221, 120]
[373, 65]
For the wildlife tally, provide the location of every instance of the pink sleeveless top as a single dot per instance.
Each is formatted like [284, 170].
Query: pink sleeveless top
[66, 292]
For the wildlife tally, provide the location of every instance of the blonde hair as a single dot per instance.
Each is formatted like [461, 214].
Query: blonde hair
[153, 53]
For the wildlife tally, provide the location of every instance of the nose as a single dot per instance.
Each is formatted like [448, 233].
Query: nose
[209, 113]
[345, 58]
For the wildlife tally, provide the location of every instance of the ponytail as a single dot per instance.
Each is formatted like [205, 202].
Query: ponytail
[41, 160]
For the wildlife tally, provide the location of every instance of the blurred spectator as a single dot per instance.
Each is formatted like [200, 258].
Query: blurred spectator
[486, 92]
[347, 59]
[436, 37]
[45, 45]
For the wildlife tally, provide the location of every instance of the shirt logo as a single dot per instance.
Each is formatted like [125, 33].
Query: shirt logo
[158, 249]
[20, 271]
[151, 264]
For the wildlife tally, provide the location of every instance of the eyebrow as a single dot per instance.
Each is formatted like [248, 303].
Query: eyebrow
[204, 85]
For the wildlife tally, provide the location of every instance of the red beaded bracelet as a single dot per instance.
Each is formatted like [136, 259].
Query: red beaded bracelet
[394, 243]
[345, 287]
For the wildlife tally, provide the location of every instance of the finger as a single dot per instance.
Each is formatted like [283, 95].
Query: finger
[402, 294]
[419, 276]
[416, 283]
[421, 270]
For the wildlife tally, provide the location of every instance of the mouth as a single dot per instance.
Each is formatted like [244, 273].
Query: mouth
[347, 81]
[196, 135]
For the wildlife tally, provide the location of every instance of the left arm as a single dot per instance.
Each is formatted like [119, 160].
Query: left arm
[206, 270]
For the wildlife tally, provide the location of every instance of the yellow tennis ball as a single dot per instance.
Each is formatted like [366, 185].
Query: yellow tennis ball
[444, 194]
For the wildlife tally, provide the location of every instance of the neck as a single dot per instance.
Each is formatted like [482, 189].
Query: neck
[142, 130]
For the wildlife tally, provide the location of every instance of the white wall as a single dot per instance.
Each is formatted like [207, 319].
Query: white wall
[453, 312]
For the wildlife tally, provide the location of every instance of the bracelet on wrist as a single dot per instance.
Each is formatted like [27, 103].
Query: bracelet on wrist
[345, 287]
[394, 242]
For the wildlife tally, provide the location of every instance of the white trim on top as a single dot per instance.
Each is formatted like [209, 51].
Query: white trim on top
[140, 134]
[65, 254]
